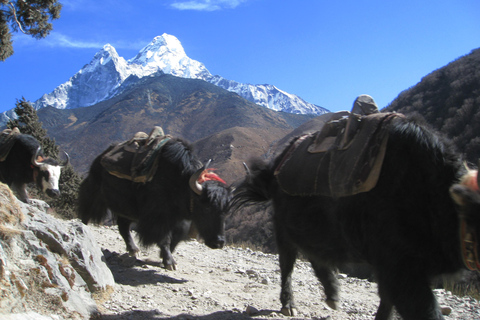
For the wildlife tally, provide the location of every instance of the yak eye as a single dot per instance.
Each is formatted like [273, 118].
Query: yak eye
[44, 172]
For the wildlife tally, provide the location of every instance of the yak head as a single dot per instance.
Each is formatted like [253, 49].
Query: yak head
[466, 195]
[209, 206]
[46, 172]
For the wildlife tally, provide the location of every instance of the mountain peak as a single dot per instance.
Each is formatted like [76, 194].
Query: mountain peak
[107, 52]
[109, 48]
[169, 42]
[102, 57]
[166, 53]
[161, 48]
[102, 78]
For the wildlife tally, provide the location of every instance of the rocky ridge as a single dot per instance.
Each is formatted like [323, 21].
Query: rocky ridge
[47, 266]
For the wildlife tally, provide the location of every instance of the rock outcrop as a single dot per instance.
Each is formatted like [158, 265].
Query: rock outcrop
[49, 268]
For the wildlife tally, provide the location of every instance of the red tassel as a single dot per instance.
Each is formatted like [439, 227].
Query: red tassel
[209, 175]
[470, 180]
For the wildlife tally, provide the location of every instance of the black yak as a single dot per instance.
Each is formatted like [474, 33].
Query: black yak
[180, 190]
[419, 220]
[23, 162]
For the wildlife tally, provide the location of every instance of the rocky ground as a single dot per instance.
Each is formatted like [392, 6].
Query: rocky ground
[230, 283]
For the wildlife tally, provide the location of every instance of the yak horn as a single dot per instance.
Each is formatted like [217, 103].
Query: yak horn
[247, 170]
[248, 178]
[63, 165]
[197, 187]
[35, 162]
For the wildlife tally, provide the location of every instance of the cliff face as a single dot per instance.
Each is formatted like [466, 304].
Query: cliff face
[48, 266]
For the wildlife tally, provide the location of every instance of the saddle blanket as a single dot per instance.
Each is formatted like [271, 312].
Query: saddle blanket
[342, 159]
[7, 140]
[136, 159]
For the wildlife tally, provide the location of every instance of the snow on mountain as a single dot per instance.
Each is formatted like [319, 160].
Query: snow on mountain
[268, 96]
[165, 53]
[92, 84]
[102, 77]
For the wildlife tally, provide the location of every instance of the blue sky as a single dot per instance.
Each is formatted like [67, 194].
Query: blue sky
[327, 52]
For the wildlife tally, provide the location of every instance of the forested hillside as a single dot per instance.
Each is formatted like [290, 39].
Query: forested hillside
[449, 99]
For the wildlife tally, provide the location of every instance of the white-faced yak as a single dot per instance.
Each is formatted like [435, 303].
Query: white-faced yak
[404, 203]
[22, 162]
[178, 191]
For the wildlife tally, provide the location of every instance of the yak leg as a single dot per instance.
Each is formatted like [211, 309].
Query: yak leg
[409, 292]
[287, 256]
[165, 253]
[181, 232]
[21, 191]
[167, 246]
[330, 283]
[384, 310]
[124, 229]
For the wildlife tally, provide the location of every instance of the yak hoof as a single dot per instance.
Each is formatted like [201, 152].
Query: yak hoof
[133, 252]
[289, 312]
[171, 267]
[332, 304]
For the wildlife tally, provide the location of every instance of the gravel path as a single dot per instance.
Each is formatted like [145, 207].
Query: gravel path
[230, 283]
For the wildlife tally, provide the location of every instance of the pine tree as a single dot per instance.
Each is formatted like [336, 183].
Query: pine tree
[32, 126]
[30, 17]
[29, 123]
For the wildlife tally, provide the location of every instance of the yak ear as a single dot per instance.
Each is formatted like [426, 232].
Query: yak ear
[465, 196]
[194, 185]
[459, 194]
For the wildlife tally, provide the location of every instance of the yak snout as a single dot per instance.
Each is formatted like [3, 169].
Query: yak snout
[52, 193]
[217, 243]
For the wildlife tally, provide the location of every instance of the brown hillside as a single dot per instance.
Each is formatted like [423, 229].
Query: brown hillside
[449, 99]
[186, 108]
[228, 149]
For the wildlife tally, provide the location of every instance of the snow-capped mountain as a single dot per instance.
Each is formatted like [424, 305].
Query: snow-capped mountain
[95, 82]
[102, 78]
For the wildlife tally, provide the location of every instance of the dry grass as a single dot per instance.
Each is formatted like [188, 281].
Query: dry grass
[10, 214]
[469, 287]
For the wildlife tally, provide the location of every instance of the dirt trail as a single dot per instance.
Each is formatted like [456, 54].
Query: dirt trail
[230, 283]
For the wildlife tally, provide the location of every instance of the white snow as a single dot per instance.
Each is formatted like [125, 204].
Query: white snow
[99, 79]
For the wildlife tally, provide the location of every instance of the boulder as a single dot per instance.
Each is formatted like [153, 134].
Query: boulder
[48, 266]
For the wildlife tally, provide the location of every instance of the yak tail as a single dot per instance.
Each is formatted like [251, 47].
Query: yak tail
[91, 207]
[256, 188]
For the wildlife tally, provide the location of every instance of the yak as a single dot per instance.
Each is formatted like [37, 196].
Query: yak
[180, 191]
[183, 230]
[24, 162]
[420, 220]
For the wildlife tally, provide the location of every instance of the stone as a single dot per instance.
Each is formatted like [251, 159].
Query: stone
[47, 264]
[250, 310]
